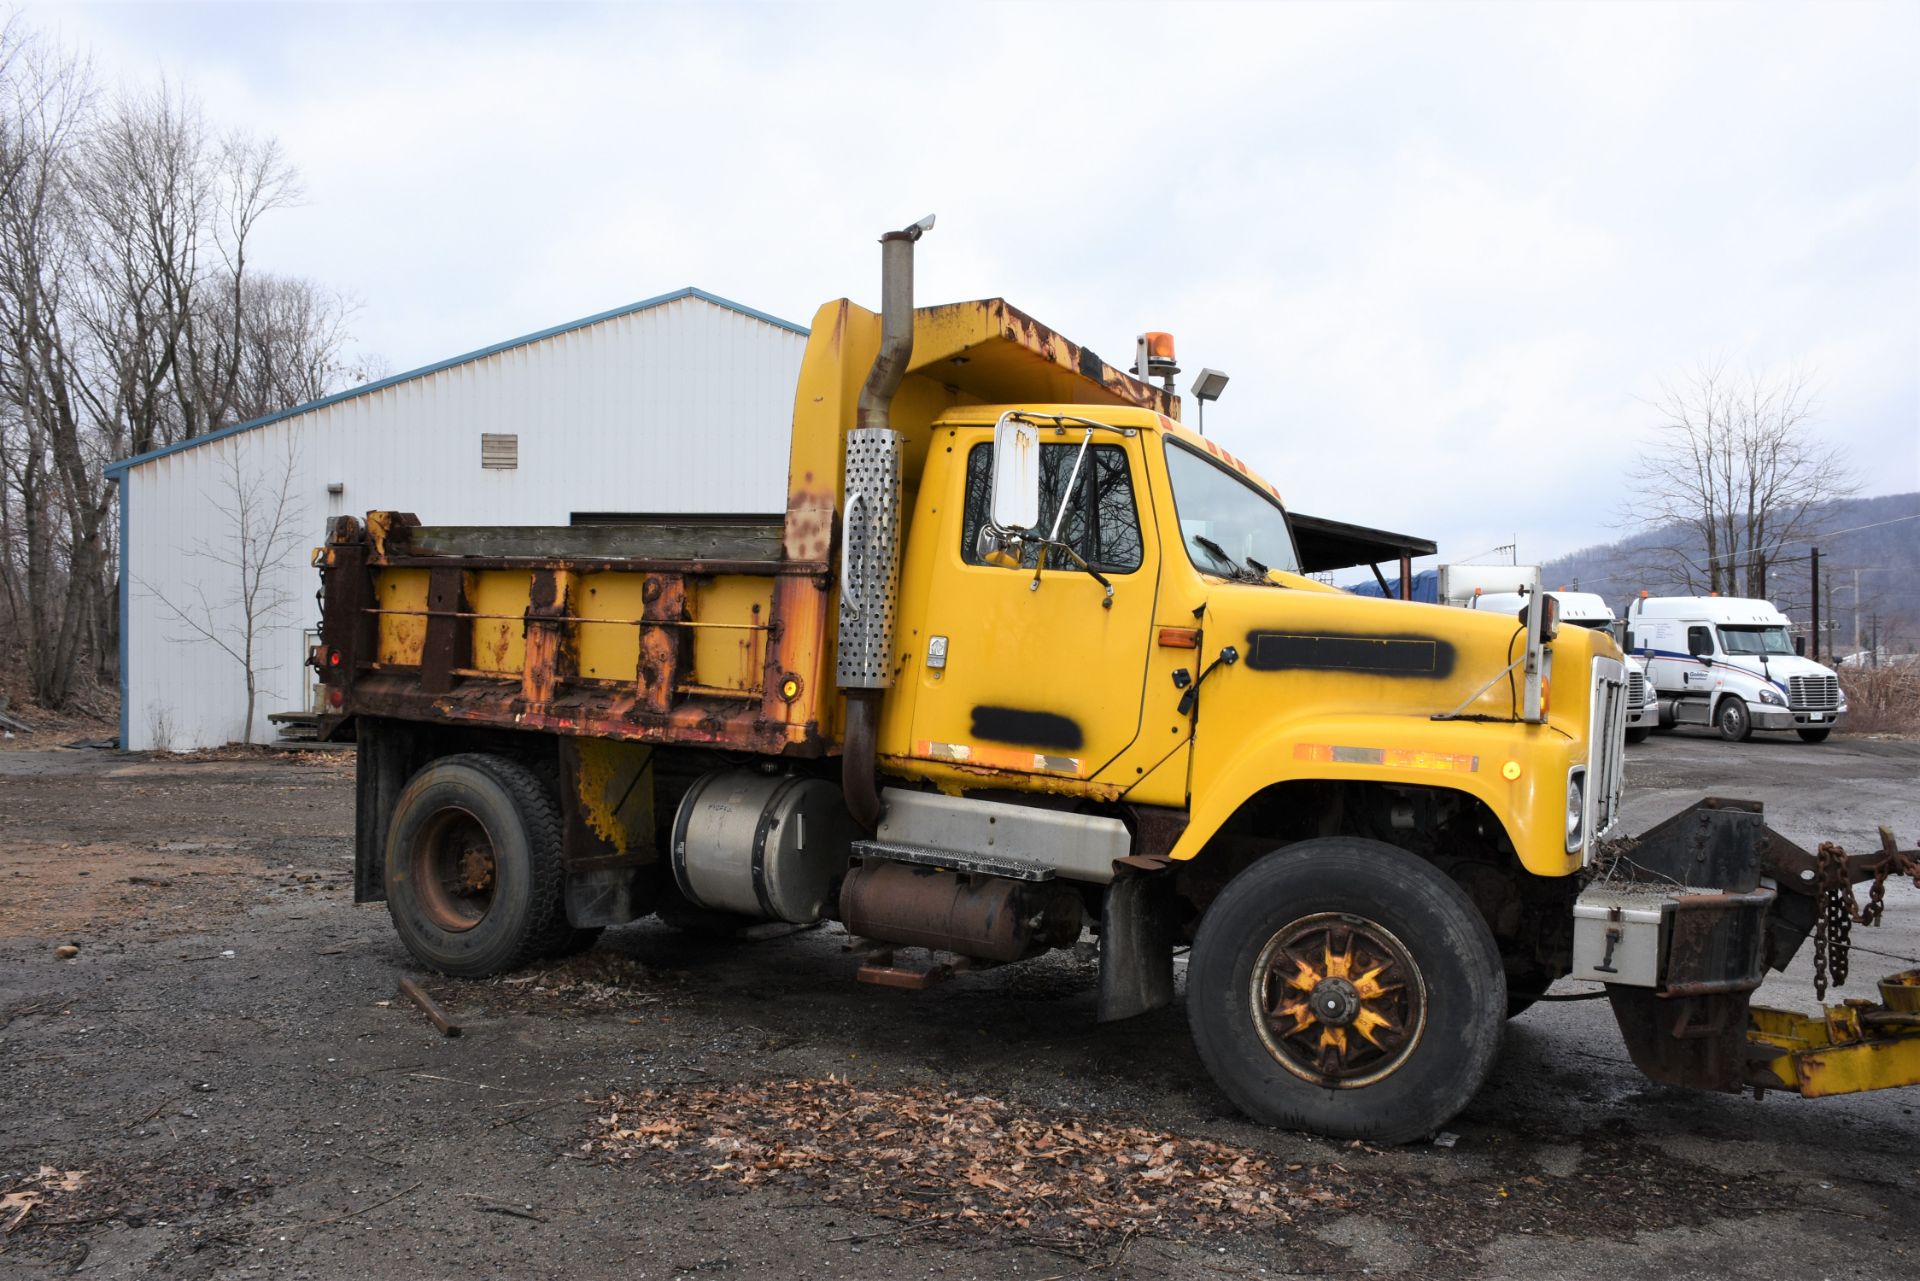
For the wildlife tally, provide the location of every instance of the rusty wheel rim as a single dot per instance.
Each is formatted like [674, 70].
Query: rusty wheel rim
[454, 870]
[1338, 1000]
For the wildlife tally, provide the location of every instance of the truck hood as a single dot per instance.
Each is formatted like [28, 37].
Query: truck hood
[1778, 669]
[1416, 658]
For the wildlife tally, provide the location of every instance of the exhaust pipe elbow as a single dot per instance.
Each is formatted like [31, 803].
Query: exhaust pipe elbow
[896, 326]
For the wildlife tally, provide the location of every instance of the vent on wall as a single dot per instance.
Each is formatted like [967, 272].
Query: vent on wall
[499, 450]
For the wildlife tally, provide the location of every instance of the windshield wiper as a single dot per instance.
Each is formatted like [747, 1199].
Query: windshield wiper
[1235, 570]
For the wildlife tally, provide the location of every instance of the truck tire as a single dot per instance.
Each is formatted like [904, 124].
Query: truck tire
[1345, 987]
[1735, 725]
[1815, 735]
[1639, 733]
[474, 875]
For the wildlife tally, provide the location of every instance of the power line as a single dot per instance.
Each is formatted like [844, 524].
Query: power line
[1809, 540]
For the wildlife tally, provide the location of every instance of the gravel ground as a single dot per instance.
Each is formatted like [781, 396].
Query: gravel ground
[223, 1082]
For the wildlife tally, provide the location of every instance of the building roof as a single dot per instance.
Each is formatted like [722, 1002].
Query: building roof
[117, 469]
[1334, 544]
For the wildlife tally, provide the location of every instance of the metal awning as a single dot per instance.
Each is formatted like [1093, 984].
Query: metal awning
[1334, 544]
[1327, 545]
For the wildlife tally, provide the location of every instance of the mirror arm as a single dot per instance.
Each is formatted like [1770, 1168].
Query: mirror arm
[1106, 602]
[1073, 483]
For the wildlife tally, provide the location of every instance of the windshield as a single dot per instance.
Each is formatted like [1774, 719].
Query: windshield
[1755, 640]
[1229, 527]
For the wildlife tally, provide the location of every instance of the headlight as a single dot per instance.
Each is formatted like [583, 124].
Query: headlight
[1772, 695]
[1576, 807]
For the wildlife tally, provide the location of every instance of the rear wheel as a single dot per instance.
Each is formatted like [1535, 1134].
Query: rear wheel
[1815, 735]
[1735, 725]
[1344, 986]
[474, 874]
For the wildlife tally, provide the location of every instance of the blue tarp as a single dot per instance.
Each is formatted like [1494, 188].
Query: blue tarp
[1426, 587]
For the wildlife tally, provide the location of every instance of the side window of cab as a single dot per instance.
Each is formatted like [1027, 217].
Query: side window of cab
[1103, 521]
[1700, 641]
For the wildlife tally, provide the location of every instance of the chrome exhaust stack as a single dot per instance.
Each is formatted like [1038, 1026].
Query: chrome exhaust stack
[870, 533]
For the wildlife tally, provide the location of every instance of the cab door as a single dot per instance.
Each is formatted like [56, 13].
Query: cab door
[1039, 681]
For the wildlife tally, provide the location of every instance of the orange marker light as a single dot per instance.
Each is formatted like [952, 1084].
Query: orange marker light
[1180, 637]
[1159, 345]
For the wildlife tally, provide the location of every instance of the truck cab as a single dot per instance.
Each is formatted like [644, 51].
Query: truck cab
[1728, 662]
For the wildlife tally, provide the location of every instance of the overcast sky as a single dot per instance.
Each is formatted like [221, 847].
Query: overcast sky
[1445, 253]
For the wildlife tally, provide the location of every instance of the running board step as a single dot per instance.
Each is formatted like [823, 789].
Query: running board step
[952, 860]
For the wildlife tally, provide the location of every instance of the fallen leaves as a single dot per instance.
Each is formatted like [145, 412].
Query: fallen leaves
[944, 1157]
[50, 1181]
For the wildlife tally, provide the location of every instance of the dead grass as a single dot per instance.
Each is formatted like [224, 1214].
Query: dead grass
[1882, 700]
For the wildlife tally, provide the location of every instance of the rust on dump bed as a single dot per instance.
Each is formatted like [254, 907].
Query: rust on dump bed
[778, 714]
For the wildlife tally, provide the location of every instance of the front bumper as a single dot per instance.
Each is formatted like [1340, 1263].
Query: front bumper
[1647, 714]
[1766, 716]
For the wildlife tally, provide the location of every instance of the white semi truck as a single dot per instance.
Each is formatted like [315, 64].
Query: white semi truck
[1727, 662]
[1503, 589]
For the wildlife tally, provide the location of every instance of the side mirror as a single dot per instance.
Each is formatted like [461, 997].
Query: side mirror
[1015, 491]
[1800, 646]
[1001, 548]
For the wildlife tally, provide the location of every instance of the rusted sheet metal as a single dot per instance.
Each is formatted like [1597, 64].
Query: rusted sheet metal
[449, 641]
[1697, 1041]
[663, 648]
[549, 649]
[1717, 943]
[1845, 1049]
[996, 351]
[594, 710]
[530, 677]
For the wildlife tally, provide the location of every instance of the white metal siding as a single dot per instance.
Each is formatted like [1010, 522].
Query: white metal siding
[682, 407]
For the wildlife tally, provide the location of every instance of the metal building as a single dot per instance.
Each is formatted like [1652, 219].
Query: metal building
[679, 404]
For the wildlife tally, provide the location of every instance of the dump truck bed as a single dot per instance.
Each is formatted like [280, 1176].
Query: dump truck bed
[655, 629]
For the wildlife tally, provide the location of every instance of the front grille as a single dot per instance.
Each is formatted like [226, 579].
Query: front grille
[1607, 740]
[1813, 693]
[1636, 690]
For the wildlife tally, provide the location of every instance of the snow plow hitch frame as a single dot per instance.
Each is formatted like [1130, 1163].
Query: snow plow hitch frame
[1683, 923]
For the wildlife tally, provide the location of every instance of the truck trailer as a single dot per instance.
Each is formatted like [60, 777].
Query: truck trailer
[1025, 663]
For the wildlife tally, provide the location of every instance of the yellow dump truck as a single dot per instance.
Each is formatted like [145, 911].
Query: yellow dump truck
[1027, 661]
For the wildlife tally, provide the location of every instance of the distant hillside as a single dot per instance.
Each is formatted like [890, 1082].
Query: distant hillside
[1887, 554]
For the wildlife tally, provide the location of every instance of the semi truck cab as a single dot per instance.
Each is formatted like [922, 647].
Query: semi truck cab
[1728, 662]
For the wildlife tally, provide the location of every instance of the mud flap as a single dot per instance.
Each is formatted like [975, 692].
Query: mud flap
[1136, 948]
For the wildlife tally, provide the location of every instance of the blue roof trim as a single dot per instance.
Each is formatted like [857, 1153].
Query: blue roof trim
[116, 469]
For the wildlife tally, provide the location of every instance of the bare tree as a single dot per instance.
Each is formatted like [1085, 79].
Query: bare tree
[1738, 474]
[131, 317]
[250, 597]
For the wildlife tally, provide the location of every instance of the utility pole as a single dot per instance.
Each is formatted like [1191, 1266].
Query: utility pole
[1856, 610]
[1816, 605]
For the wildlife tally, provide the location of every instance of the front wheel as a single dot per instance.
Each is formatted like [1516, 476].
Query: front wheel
[1815, 735]
[1735, 725]
[1639, 733]
[1345, 987]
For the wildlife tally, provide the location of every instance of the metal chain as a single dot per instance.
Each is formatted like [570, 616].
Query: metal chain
[1838, 908]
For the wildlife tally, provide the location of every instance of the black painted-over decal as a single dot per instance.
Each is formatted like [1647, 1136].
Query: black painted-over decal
[1419, 656]
[1027, 729]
